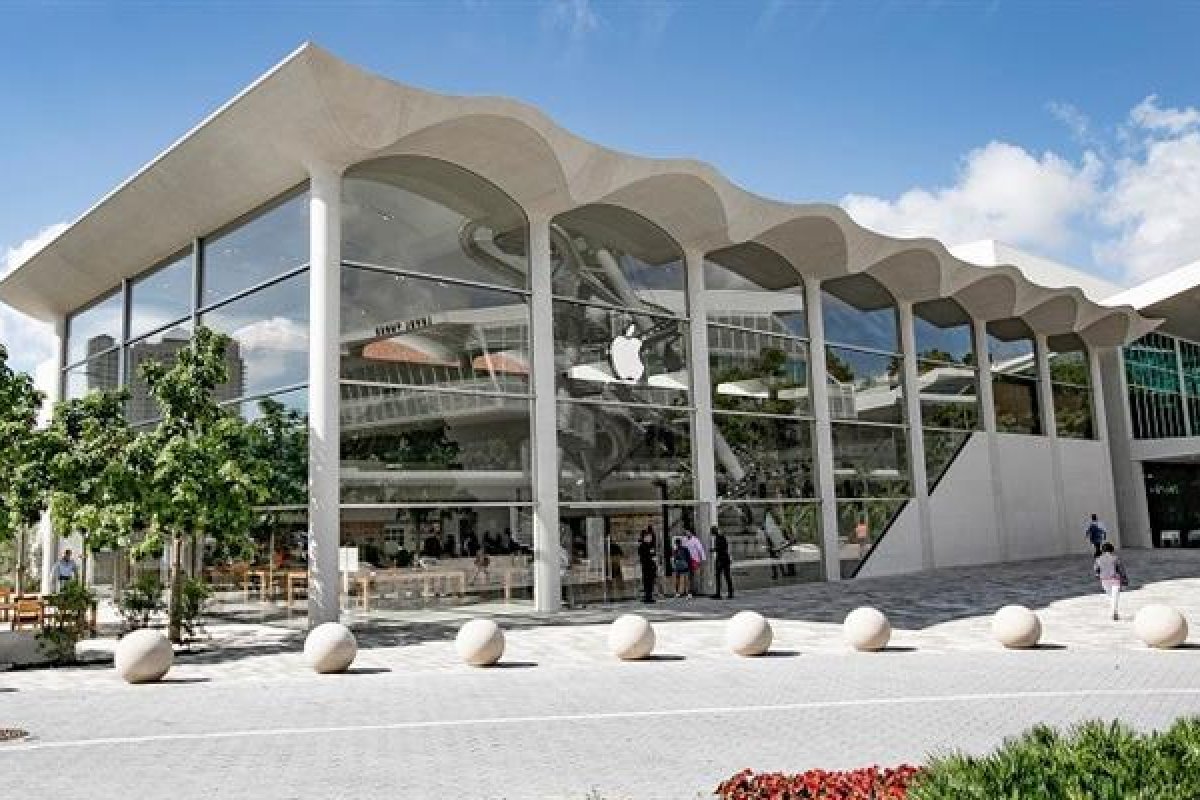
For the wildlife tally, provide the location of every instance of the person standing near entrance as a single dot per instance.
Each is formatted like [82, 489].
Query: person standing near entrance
[724, 564]
[1096, 534]
[649, 568]
[1111, 573]
[65, 570]
[696, 558]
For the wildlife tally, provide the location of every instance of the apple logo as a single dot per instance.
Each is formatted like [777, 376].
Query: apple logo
[626, 355]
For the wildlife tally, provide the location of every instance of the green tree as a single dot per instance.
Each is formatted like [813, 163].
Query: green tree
[197, 471]
[22, 468]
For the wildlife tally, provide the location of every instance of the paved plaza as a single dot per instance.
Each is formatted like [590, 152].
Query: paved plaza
[242, 717]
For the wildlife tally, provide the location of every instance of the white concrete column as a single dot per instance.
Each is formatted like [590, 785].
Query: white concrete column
[987, 411]
[916, 436]
[703, 437]
[1100, 426]
[1050, 429]
[47, 538]
[324, 308]
[1129, 479]
[547, 588]
[823, 431]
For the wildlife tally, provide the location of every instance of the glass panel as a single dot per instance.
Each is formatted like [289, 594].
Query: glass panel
[94, 330]
[269, 332]
[1191, 367]
[948, 397]
[272, 571]
[864, 386]
[429, 216]
[162, 297]
[626, 453]
[411, 445]
[1071, 368]
[1011, 348]
[941, 448]
[942, 333]
[162, 347]
[99, 374]
[600, 353]
[1150, 363]
[268, 245]
[755, 372]
[427, 558]
[1073, 412]
[605, 254]
[763, 457]
[870, 460]
[405, 330]
[772, 543]
[860, 313]
[861, 524]
[751, 286]
[1156, 415]
[295, 401]
[1017, 409]
[602, 549]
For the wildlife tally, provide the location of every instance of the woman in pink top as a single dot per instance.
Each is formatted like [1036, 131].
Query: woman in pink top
[1112, 575]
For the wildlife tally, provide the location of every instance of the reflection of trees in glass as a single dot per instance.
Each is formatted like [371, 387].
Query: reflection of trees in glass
[837, 368]
[424, 447]
[773, 367]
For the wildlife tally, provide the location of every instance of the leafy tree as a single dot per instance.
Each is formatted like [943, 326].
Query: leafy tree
[279, 437]
[91, 490]
[22, 470]
[197, 471]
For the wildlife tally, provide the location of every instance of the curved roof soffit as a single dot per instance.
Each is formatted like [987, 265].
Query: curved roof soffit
[913, 274]
[985, 294]
[814, 243]
[1056, 314]
[684, 205]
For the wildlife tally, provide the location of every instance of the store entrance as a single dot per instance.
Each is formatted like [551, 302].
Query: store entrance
[1173, 499]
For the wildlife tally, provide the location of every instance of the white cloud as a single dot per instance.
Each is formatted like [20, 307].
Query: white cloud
[30, 343]
[1002, 191]
[1149, 115]
[275, 334]
[576, 18]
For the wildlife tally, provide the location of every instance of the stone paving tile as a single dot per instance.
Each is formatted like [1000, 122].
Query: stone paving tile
[947, 611]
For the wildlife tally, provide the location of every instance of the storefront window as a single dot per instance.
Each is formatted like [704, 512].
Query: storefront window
[94, 329]
[947, 379]
[161, 297]
[1071, 385]
[1014, 377]
[273, 242]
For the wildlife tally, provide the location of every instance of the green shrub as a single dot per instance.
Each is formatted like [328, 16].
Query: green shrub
[1094, 761]
[193, 596]
[142, 601]
[73, 603]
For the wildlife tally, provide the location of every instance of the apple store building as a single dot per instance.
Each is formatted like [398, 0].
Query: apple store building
[512, 353]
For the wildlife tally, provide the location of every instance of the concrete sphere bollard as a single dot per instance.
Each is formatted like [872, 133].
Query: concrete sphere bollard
[1161, 627]
[143, 656]
[1016, 627]
[631, 637]
[480, 643]
[330, 647]
[867, 629]
[748, 633]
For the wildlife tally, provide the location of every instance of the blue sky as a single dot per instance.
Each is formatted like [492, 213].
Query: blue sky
[1065, 128]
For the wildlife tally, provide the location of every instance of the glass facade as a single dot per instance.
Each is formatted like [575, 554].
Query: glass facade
[436, 398]
[1014, 374]
[1163, 375]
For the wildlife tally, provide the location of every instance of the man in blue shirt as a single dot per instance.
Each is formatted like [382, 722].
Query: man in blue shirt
[1096, 534]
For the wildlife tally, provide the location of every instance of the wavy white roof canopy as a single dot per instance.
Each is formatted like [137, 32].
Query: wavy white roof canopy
[314, 109]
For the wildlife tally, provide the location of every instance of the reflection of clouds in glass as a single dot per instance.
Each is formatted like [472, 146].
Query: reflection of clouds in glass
[845, 324]
[276, 333]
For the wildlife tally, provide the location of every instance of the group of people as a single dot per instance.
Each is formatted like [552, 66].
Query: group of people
[684, 562]
[469, 545]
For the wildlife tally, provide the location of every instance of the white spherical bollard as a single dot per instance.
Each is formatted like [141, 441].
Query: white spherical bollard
[1161, 627]
[631, 637]
[748, 633]
[480, 643]
[143, 656]
[1016, 627]
[867, 629]
[329, 648]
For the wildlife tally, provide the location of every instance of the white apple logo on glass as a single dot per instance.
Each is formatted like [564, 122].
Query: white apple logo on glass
[626, 355]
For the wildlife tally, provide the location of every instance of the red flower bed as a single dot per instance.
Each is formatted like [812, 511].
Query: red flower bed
[869, 783]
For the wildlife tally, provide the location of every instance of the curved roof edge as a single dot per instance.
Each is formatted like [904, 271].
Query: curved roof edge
[315, 109]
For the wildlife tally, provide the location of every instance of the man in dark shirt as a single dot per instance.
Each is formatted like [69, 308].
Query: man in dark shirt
[649, 568]
[722, 561]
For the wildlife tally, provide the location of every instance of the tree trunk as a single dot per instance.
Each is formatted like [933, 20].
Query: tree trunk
[20, 562]
[174, 603]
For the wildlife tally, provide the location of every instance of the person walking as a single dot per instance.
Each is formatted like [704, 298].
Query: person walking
[722, 561]
[681, 567]
[648, 565]
[697, 555]
[1096, 534]
[1111, 573]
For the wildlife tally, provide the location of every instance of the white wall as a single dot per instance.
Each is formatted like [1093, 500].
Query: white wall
[963, 511]
[1027, 475]
[1088, 490]
[900, 550]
